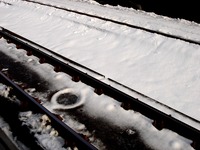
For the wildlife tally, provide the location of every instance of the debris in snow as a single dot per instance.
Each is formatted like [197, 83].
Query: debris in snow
[4, 90]
[45, 133]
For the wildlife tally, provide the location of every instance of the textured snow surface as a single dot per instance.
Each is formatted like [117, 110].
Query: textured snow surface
[107, 109]
[162, 68]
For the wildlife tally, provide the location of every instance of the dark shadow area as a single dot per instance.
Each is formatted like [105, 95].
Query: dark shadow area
[113, 137]
[21, 73]
[9, 111]
[187, 10]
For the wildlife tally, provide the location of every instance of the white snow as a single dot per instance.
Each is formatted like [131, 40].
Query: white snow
[108, 109]
[4, 90]
[162, 68]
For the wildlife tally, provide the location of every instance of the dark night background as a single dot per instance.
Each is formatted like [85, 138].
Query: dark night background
[188, 10]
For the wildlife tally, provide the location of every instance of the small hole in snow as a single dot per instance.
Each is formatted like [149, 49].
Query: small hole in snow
[67, 99]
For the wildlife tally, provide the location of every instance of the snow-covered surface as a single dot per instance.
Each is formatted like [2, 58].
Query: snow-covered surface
[108, 109]
[162, 68]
